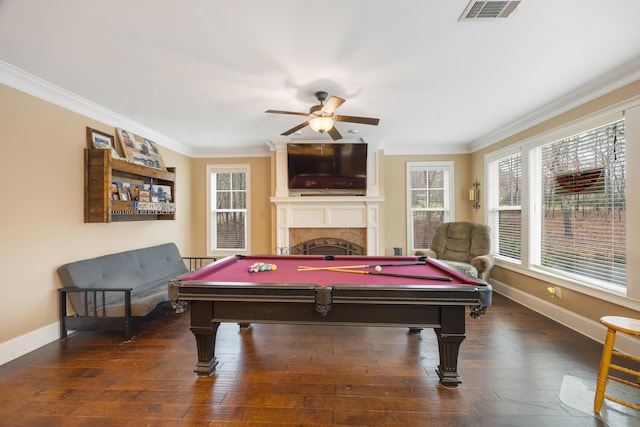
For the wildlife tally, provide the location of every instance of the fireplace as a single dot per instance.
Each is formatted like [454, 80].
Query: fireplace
[327, 212]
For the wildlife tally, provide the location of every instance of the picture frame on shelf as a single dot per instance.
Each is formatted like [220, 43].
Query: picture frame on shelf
[115, 191]
[146, 160]
[154, 152]
[102, 141]
[135, 190]
[163, 193]
[123, 190]
[127, 140]
[139, 150]
[145, 196]
[159, 193]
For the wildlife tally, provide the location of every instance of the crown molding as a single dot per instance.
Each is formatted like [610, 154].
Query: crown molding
[427, 149]
[227, 153]
[617, 78]
[28, 83]
[25, 82]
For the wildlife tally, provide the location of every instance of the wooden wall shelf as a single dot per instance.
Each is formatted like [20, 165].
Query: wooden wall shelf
[101, 170]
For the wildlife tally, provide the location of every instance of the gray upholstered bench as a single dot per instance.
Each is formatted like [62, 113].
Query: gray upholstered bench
[108, 291]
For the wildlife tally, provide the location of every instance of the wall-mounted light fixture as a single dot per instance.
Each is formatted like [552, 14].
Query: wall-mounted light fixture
[474, 195]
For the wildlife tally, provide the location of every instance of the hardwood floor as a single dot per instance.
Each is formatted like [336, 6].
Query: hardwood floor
[512, 365]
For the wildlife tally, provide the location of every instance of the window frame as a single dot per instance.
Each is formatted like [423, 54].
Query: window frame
[449, 195]
[492, 203]
[530, 173]
[210, 207]
[537, 156]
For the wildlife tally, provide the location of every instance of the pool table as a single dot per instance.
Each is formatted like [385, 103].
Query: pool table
[413, 292]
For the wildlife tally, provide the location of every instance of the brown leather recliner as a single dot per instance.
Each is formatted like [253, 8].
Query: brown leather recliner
[465, 246]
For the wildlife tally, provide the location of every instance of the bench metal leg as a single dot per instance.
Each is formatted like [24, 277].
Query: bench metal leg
[128, 320]
[62, 297]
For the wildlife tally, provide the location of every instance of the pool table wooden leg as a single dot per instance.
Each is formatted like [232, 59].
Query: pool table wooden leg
[449, 346]
[204, 330]
[450, 336]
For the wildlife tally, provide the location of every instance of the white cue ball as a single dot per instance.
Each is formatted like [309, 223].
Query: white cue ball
[378, 268]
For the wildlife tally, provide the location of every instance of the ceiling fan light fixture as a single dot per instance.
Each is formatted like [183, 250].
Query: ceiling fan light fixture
[321, 124]
[322, 117]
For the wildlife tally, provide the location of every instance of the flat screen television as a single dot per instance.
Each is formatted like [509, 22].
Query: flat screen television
[327, 166]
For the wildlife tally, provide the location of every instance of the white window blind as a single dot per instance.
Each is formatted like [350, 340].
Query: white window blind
[507, 224]
[428, 199]
[583, 207]
[228, 209]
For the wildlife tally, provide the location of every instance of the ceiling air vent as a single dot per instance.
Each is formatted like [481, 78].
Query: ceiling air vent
[488, 10]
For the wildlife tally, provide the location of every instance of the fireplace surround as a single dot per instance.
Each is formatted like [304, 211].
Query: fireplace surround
[326, 211]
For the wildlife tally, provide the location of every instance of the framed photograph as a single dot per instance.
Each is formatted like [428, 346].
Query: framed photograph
[139, 150]
[127, 140]
[163, 193]
[101, 140]
[154, 152]
[145, 196]
[159, 193]
[135, 190]
[146, 160]
[123, 190]
[115, 191]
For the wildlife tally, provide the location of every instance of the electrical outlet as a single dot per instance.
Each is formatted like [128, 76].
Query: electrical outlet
[554, 292]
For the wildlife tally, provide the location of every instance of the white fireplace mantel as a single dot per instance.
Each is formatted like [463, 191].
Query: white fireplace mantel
[327, 211]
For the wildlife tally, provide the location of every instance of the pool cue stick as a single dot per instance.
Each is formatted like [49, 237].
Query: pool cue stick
[397, 264]
[380, 273]
[305, 268]
[346, 268]
[410, 276]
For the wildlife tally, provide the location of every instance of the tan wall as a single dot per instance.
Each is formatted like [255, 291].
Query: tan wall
[260, 224]
[42, 209]
[578, 302]
[395, 195]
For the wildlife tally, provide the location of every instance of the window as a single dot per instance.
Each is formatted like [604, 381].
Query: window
[429, 199]
[558, 204]
[582, 193]
[506, 210]
[228, 210]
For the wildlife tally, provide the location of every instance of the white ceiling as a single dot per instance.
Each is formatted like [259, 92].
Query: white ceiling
[198, 75]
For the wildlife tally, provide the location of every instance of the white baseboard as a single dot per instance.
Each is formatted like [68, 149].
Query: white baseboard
[585, 326]
[19, 346]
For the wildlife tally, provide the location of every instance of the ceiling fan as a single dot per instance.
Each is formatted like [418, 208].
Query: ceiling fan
[322, 116]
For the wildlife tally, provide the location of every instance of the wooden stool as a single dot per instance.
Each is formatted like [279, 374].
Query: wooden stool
[624, 325]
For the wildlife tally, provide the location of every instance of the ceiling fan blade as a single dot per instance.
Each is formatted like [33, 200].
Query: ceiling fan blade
[332, 104]
[354, 119]
[335, 135]
[286, 112]
[295, 129]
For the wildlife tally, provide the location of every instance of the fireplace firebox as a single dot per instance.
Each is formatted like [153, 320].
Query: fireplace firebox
[327, 246]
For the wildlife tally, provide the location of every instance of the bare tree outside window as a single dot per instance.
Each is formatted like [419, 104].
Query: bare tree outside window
[584, 222]
[509, 208]
[229, 210]
[428, 201]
